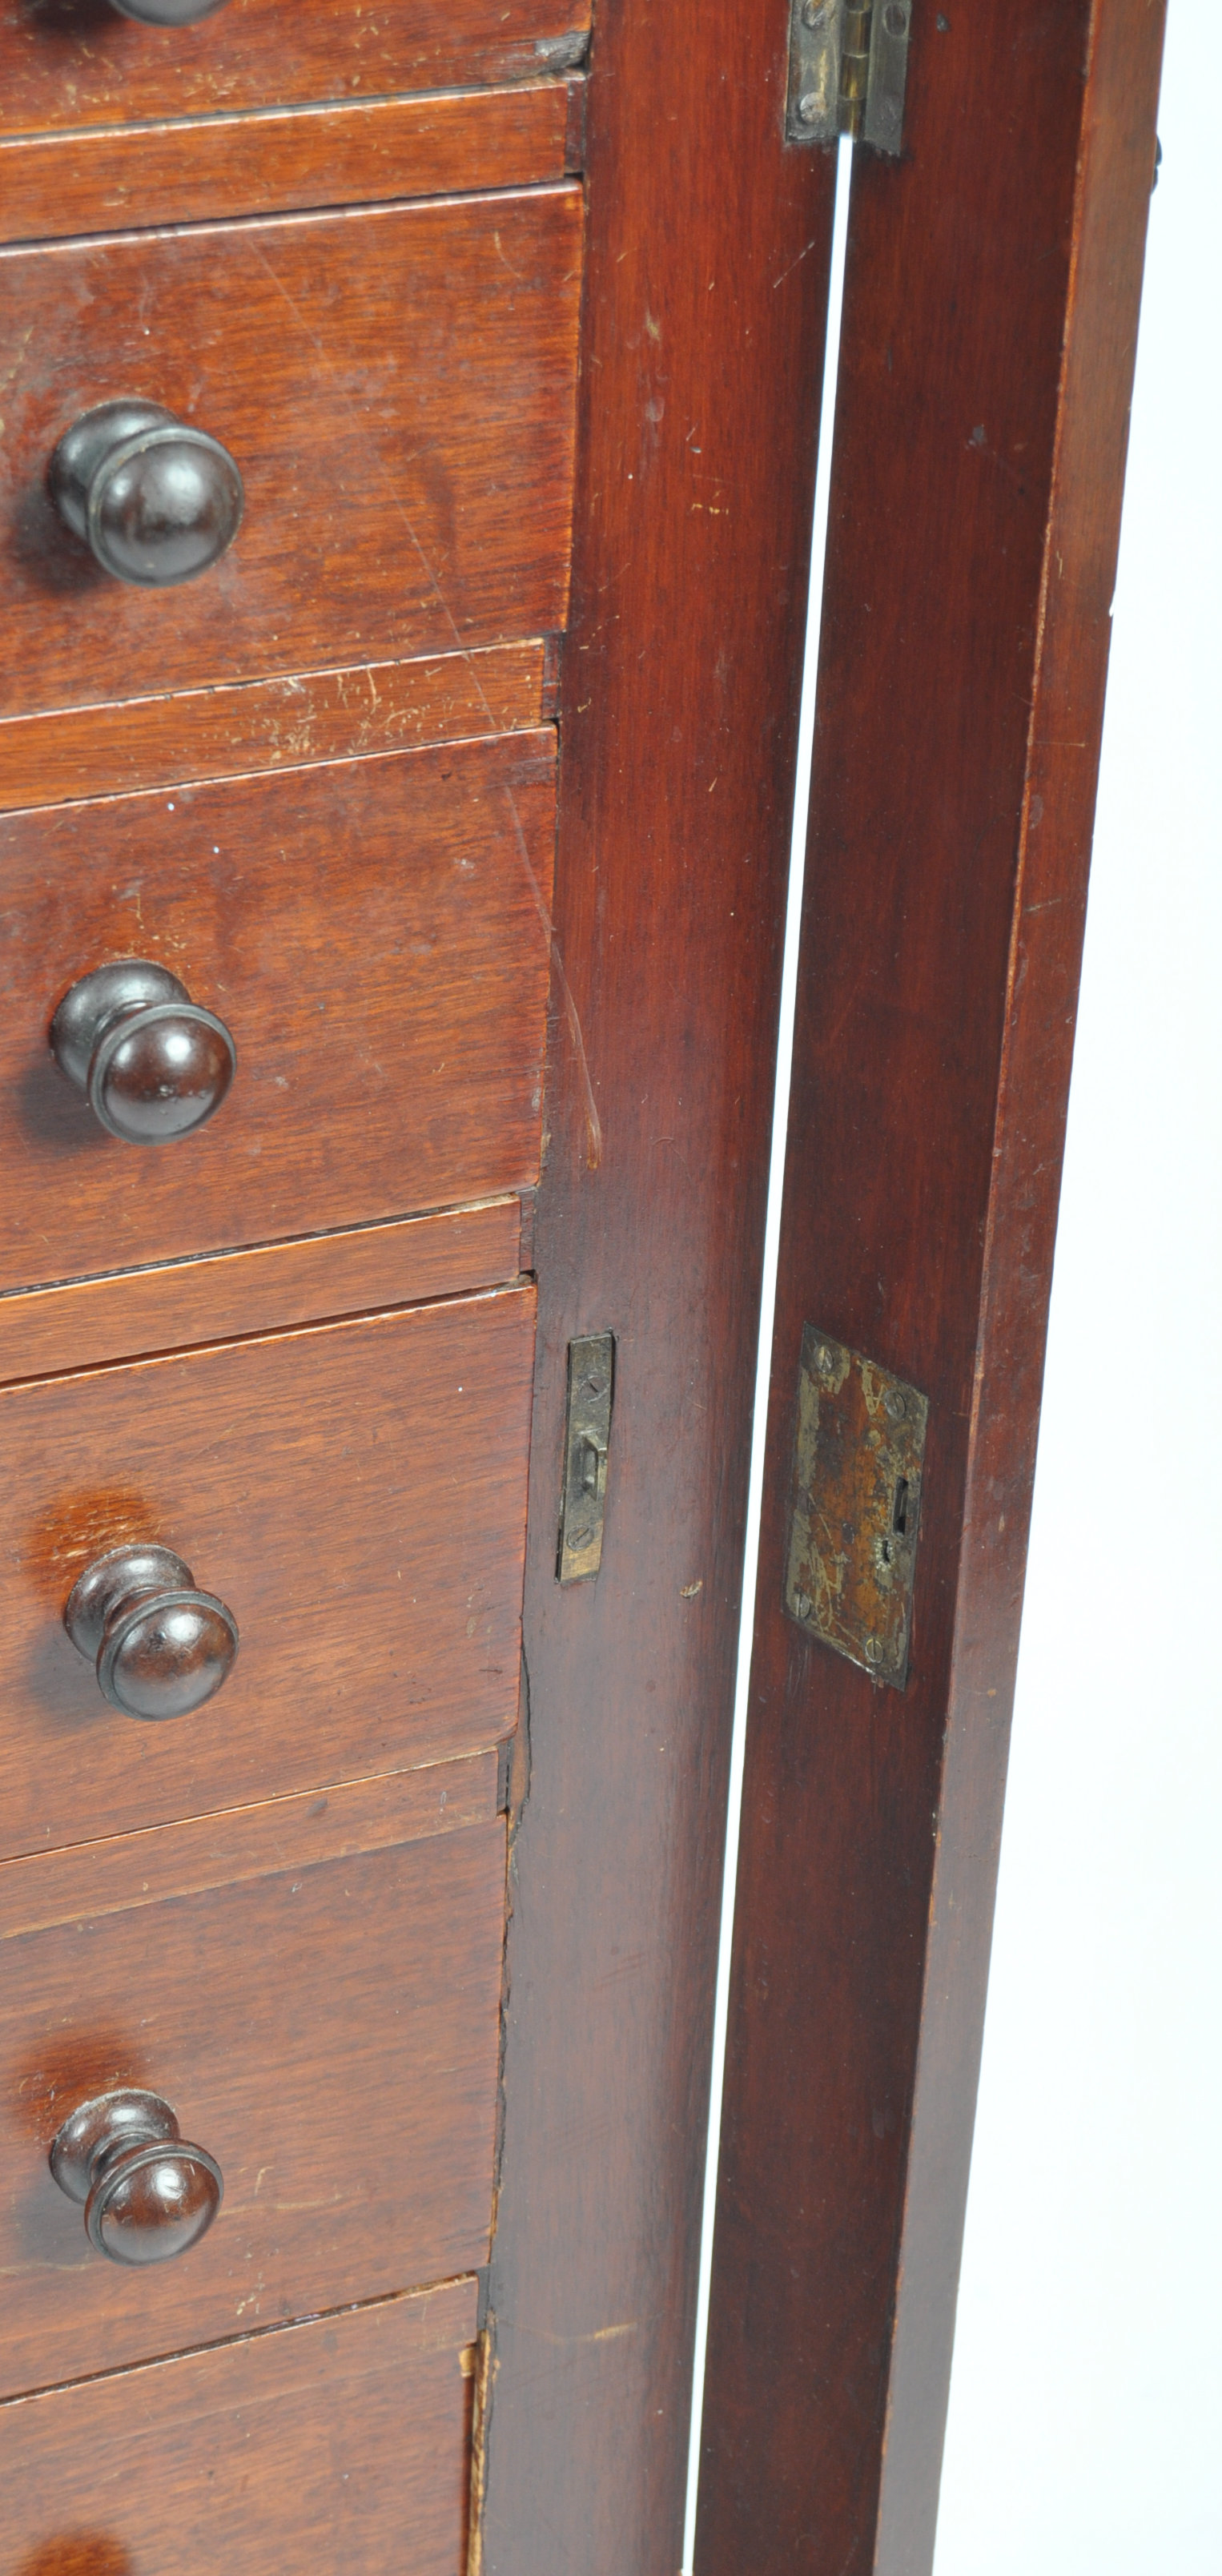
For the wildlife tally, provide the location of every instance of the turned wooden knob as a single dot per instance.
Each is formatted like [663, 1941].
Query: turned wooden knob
[152, 1064]
[147, 2192]
[154, 499]
[160, 1647]
[166, 13]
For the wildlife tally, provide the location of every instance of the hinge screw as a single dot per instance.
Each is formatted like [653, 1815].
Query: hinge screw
[803, 1604]
[813, 12]
[808, 108]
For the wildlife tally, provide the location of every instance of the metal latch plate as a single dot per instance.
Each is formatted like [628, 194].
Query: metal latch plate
[856, 1506]
[587, 1433]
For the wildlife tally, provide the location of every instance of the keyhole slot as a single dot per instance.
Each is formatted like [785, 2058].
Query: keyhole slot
[899, 1510]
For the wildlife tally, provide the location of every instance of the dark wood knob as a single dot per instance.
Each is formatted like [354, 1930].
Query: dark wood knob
[167, 13]
[161, 1648]
[147, 2192]
[152, 1064]
[156, 500]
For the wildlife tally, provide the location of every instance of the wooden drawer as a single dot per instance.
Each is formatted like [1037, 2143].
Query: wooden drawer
[66, 63]
[335, 2446]
[428, 145]
[373, 935]
[355, 1494]
[397, 389]
[322, 2017]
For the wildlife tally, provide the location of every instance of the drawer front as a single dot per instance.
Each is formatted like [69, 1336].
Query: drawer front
[354, 1494]
[374, 937]
[67, 64]
[397, 389]
[315, 1279]
[328, 2035]
[336, 2445]
[339, 714]
[429, 145]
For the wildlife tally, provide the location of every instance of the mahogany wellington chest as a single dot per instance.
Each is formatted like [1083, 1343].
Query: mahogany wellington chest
[289, 313]
[408, 418]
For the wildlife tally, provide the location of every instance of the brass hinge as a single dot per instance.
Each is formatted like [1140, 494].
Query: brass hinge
[848, 67]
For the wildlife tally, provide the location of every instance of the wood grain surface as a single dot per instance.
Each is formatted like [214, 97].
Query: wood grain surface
[342, 2443]
[990, 324]
[129, 1870]
[328, 2034]
[267, 164]
[354, 1493]
[1048, 915]
[375, 938]
[46, 1331]
[328, 2445]
[702, 341]
[370, 707]
[347, 2435]
[397, 387]
[73, 63]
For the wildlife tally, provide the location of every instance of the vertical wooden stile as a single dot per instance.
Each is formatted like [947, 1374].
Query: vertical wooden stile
[701, 355]
[986, 368]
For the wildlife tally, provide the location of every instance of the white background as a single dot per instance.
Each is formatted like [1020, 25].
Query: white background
[1085, 2434]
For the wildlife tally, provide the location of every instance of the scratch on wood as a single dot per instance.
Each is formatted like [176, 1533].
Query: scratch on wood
[594, 1133]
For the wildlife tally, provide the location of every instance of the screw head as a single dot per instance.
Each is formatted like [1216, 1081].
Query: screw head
[895, 1404]
[874, 1650]
[803, 1604]
[895, 18]
[813, 13]
[808, 108]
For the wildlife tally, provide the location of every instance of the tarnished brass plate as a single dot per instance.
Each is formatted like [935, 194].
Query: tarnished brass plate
[856, 1506]
[587, 1432]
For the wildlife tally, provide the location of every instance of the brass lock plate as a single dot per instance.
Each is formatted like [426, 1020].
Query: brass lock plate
[856, 1506]
[587, 1432]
